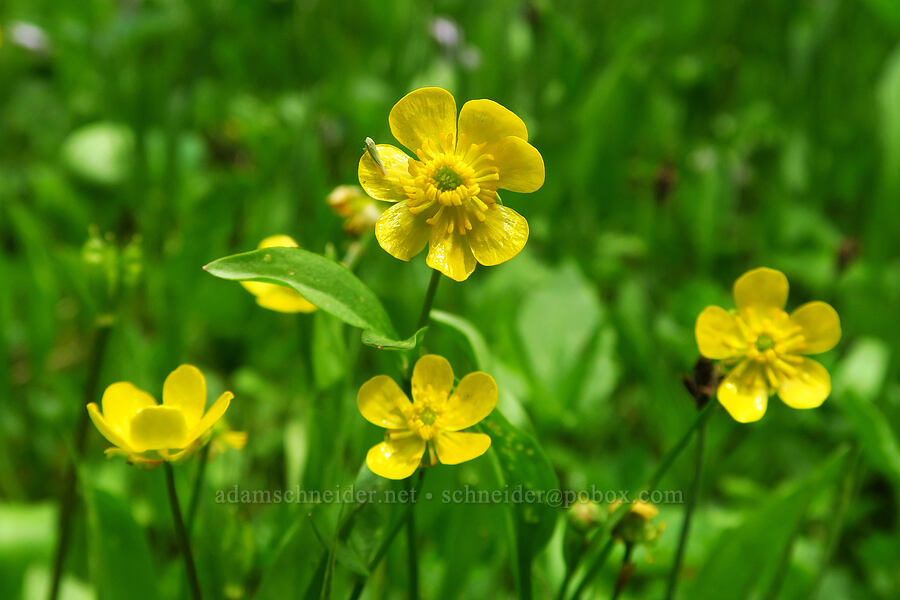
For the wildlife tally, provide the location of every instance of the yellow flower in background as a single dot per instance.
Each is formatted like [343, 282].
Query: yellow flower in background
[765, 345]
[148, 432]
[359, 210]
[278, 297]
[636, 526]
[447, 196]
[433, 419]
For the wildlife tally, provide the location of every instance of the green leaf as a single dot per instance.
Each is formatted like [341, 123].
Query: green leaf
[745, 558]
[27, 537]
[324, 282]
[857, 384]
[523, 465]
[480, 353]
[388, 343]
[120, 558]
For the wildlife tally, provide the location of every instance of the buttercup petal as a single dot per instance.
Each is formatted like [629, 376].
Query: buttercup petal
[397, 458]
[114, 437]
[454, 447]
[487, 121]
[279, 298]
[474, 399]
[386, 186]
[521, 165]
[809, 386]
[212, 416]
[500, 237]
[744, 393]
[717, 333]
[426, 114]
[401, 233]
[432, 371]
[185, 389]
[761, 291]
[450, 254]
[157, 428]
[821, 327]
[120, 402]
[381, 401]
[278, 241]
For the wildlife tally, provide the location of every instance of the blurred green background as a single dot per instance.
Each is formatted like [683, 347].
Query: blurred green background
[685, 142]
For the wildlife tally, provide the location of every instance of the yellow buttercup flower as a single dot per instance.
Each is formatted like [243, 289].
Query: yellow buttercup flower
[447, 196]
[148, 432]
[433, 420]
[278, 297]
[765, 344]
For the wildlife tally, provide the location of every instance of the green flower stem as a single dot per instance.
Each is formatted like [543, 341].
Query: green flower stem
[198, 487]
[388, 538]
[842, 502]
[595, 567]
[182, 534]
[412, 555]
[663, 468]
[688, 512]
[624, 573]
[70, 496]
[429, 299]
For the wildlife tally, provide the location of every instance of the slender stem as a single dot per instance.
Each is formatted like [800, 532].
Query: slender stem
[388, 538]
[842, 503]
[70, 496]
[429, 299]
[663, 468]
[624, 573]
[688, 512]
[198, 487]
[412, 556]
[182, 534]
[676, 450]
[594, 568]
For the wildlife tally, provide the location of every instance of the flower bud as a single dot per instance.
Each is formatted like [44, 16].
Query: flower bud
[358, 210]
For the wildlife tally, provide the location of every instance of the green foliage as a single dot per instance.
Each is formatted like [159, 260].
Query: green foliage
[685, 142]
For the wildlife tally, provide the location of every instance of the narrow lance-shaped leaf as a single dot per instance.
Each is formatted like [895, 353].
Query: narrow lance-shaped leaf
[324, 282]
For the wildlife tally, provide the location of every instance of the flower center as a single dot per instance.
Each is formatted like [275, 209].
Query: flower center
[447, 179]
[428, 416]
[452, 188]
[764, 342]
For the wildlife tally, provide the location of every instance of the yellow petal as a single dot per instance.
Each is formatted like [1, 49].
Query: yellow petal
[278, 241]
[427, 114]
[760, 291]
[744, 393]
[384, 186]
[435, 372]
[158, 427]
[185, 389]
[450, 254]
[500, 237]
[809, 386]
[396, 459]
[486, 121]
[521, 165]
[103, 427]
[454, 447]
[279, 298]
[821, 327]
[120, 403]
[401, 233]
[381, 402]
[717, 333]
[474, 399]
[212, 416]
